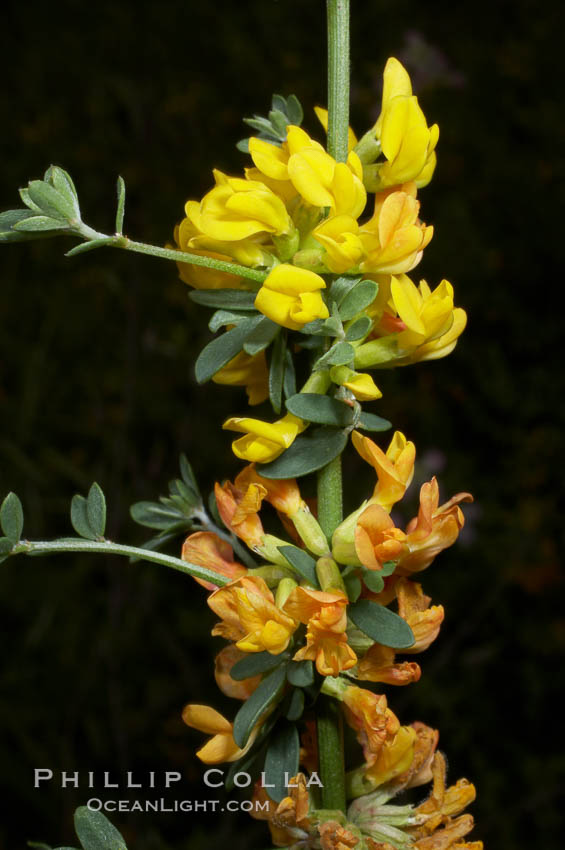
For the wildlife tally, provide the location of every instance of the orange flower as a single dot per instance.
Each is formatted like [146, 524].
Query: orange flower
[377, 539]
[288, 821]
[225, 660]
[283, 495]
[441, 809]
[434, 529]
[377, 665]
[206, 549]
[326, 617]
[413, 606]
[221, 746]
[395, 469]
[250, 617]
[375, 724]
[334, 836]
[239, 510]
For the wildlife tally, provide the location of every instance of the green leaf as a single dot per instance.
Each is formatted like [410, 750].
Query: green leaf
[300, 673]
[40, 224]
[79, 518]
[358, 329]
[302, 562]
[261, 337]
[96, 510]
[341, 287]
[221, 350]
[388, 568]
[282, 758]
[95, 831]
[121, 190]
[226, 317]
[381, 624]
[243, 145]
[12, 517]
[276, 373]
[308, 453]
[267, 694]
[188, 476]
[339, 354]
[357, 299]
[154, 515]
[370, 422]
[278, 121]
[295, 705]
[353, 587]
[40, 845]
[256, 663]
[61, 181]
[50, 201]
[289, 383]
[294, 110]
[6, 546]
[373, 580]
[11, 217]
[237, 299]
[279, 102]
[321, 409]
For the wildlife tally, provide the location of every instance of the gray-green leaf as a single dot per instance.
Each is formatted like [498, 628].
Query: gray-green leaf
[79, 518]
[12, 517]
[381, 624]
[268, 693]
[357, 299]
[95, 831]
[321, 409]
[96, 510]
[282, 758]
[308, 453]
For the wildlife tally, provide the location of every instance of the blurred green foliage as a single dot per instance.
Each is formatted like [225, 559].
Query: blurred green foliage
[96, 383]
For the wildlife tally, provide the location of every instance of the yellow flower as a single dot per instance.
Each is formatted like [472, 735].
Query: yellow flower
[377, 539]
[418, 324]
[378, 665]
[315, 175]
[359, 383]
[394, 238]
[263, 441]
[250, 617]
[239, 510]
[367, 713]
[291, 297]
[236, 209]
[221, 747]
[406, 140]
[249, 371]
[339, 235]
[248, 252]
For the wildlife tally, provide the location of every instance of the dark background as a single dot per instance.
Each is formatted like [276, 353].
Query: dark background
[96, 382]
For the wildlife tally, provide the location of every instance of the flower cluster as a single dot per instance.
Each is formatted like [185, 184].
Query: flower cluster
[312, 611]
[306, 221]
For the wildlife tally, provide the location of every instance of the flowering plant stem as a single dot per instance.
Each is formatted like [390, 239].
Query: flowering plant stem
[330, 513]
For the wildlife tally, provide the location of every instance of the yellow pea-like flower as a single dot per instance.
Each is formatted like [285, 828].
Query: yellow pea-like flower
[290, 296]
[236, 209]
[339, 235]
[360, 383]
[263, 441]
[407, 142]
[394, 238]
[249, 371]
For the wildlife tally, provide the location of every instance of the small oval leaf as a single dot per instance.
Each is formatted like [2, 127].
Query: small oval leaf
[12, 517]
[357, 299]
[95, 831]
[268, 693]
[381, 624]
[281, 761]
[370, 422]
[256, 663]
[96, 510]
[308, 453]
[321, 409]
[79, 518]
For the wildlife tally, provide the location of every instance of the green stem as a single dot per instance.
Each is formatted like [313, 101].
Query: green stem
[44, 547]
[94, 239]
[330, 752]
[338, 78]
[330, 509]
